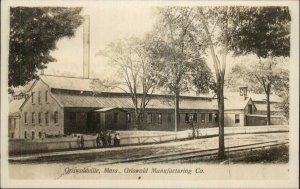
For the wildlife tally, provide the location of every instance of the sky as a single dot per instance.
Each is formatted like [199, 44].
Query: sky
[107, 24]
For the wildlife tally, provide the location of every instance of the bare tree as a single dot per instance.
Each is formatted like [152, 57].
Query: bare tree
[131, 59]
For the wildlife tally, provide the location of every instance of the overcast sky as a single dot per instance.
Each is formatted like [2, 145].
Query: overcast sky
[107, 24]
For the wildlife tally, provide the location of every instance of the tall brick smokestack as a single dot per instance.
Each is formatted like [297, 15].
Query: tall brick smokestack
[86, 47]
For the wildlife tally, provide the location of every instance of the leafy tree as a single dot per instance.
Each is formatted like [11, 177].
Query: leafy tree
[132, 60]
[265, 32]
[264, 76]
[33, 34]
[178, 58]
[241, 30]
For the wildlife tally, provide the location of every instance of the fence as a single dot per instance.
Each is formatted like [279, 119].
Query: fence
[53, 144]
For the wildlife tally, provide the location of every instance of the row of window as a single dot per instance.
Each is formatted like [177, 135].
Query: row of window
[32, 136]
[40, 117]
[188, 118]
[159, 117]
[39, 97]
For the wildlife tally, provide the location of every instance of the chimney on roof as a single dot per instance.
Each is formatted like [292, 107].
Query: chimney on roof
[86, 47]
[243, 92]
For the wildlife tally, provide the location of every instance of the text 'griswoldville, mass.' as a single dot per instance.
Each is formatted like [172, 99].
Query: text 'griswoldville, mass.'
[154, 170]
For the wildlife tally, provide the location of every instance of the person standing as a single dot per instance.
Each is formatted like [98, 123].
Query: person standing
[118, 139]
[109, 139]
[98, 141]
[81, 142]
[115, 140]
[104, 139]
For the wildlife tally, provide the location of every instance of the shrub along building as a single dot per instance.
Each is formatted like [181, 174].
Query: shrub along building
[59, 105]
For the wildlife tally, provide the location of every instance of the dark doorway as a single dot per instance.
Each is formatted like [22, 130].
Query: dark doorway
[92, 123]
[250, 108]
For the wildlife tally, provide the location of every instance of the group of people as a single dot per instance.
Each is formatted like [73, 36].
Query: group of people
[105, 139]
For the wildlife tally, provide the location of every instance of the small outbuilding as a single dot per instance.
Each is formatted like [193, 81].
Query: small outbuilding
[111, 118]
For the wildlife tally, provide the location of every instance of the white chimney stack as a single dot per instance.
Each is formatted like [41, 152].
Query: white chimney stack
[86, 47]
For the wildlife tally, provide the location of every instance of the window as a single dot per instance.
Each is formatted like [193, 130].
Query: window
[15, 123]
[73, 116]
[169, 117]
[195, 118]
[32, 117]
[216, 117]
[202, 118]
[32, 97]
[25, 134]
[159, 118]
[56, 117]
[25, 117]
[186, 118]
[46, 118]
[149, 118]
[32, 135]
[128, 118]
[250, 108]
[39, 97]
[40, 135]
[46, 96]
[115, 117]
[237, 118]
[210, 117]
[40, 117]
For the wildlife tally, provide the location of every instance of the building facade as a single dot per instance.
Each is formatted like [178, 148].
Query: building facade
[67, 105]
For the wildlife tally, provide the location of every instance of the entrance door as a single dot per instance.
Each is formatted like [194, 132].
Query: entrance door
[250, 108]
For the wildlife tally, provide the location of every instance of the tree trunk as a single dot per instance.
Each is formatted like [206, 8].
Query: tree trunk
[221, 153]
[268, 110]
[137, 120]
[177, 118]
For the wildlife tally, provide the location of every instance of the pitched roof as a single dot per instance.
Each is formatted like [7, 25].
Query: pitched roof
[68, 83]
[88, 84]
[14, 106]
[236, 103]
[119, 99]
[263, 107]
[107, 100]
